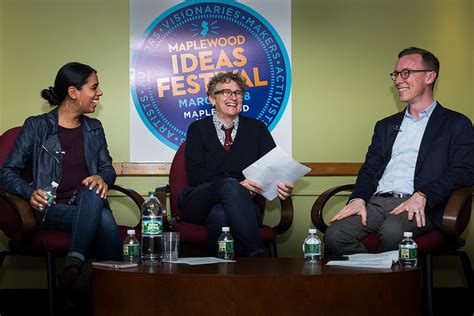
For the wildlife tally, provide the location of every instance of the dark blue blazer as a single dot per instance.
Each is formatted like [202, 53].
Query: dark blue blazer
[445, 160]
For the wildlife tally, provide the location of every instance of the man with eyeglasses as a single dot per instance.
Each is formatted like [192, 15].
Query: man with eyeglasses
[417, 158]
[218, 148]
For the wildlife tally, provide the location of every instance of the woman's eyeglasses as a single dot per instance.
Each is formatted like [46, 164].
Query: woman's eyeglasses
[227, 93]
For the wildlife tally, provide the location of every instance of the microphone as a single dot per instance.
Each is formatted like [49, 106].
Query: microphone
[397, 128]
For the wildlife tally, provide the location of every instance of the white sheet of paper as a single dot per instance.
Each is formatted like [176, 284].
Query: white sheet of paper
[382, 260]
[200, 260]
[273, 168]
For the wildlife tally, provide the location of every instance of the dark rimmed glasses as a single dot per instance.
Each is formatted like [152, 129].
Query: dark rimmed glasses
[227, 93]
[405, 73]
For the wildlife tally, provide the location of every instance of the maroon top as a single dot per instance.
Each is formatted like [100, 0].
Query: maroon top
[74, 163]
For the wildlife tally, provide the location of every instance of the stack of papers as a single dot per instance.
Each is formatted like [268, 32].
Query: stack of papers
[273, 168]
[200, 260]
[382, 260]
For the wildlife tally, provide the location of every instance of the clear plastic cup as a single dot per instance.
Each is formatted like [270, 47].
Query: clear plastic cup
[170, 246]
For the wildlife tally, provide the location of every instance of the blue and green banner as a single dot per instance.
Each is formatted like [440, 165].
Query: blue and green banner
[176, 47]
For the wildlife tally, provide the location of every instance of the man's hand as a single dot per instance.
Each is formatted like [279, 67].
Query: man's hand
[38, 199]
[355, 207]
[252, 186]
[102, 187]
[415, 206]
[285, 190]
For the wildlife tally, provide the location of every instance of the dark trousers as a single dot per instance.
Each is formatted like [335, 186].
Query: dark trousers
[224, 203]
[344, 237]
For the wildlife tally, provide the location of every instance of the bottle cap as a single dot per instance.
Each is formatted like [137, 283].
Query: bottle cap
[131, 231]
[225, 229]
[407, 234]
[54, 184]
[312, 230]
[151, 193]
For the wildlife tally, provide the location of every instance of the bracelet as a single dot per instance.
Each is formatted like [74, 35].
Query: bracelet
[421, 193]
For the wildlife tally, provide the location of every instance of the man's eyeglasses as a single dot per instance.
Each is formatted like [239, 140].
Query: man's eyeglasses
[405, 73]
[227, 93]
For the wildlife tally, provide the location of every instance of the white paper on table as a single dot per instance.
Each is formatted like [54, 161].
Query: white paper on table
[200, 260]
[273, 168]
[382, 260]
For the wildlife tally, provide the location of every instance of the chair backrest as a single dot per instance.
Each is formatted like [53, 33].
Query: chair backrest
[178, 180]
[7, 141]
[9, 221]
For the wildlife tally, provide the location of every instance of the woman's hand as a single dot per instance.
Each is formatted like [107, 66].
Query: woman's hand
[38, 199]
[285, 190]
[92, 181]
[252, 186]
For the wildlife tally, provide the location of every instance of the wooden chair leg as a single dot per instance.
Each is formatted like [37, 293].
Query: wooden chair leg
[427, 285]
[468, 273]
[273, 249]
[51, 275]
[467, 267]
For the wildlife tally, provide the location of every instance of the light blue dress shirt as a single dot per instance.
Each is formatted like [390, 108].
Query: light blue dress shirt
[400, 171]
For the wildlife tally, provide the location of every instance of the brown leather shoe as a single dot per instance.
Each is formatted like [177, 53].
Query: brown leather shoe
[68, 276]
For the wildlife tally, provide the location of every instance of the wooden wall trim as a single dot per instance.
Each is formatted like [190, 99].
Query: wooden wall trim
[318, 169]
[333, 169]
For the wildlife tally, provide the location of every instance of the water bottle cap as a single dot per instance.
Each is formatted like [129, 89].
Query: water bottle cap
[312, 230]
[151, 193]
[225, 229]
[407, 234]
[131, 231]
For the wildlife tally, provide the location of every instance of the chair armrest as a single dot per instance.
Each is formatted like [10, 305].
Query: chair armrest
[456, 215]
[25, 215]
[317, 211]
[161, 192]
[136, 198]
[286, 218]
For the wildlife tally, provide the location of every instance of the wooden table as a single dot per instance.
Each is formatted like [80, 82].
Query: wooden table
[256, 286]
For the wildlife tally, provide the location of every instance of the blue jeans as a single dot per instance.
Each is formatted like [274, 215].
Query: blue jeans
[94, 232]
[225, 203]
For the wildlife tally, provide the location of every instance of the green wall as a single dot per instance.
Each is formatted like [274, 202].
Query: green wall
[342, 52]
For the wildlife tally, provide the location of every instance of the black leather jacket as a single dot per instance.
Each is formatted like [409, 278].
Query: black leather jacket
[38, 146]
